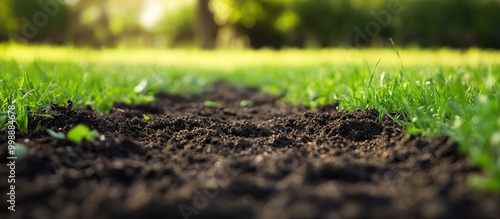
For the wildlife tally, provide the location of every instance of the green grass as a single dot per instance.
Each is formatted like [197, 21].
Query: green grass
[432, 92]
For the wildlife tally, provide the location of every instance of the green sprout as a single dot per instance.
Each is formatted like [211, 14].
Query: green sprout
[20, 149]
[58, 135]
[80, 132]
[209, 103]
[246, 103]
[145, 117]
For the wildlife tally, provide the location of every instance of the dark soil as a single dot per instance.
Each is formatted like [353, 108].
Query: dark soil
[266, 161]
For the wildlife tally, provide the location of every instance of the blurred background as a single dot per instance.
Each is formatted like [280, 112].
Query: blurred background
[276, 24]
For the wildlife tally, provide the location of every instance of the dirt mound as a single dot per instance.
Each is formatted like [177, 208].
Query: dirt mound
[263, 161]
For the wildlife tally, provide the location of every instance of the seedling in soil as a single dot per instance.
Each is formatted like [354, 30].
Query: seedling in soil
[80, 132]
[145, 117]
[209, 103]
[20, 150]
[58, 135]
[246, 103]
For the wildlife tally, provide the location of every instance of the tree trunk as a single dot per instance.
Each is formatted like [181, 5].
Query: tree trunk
[207, 26]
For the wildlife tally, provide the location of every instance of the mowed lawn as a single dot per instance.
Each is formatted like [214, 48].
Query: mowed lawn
[430, 92]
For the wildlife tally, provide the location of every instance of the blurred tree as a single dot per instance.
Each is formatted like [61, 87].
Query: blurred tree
[487, 26]
[36, 20]
[265, 22]
[325, 22]
[453, 23]
[206, 24]
[105, 23]
[280, 23]
[124, 24]
[90, 23]
[179, 24]
[259, 23]
[8, 22]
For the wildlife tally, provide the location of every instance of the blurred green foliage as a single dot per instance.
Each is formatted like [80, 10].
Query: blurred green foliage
[322, 23]
[454, 23]
[263, 23]
[179, 26]
[33, 20]
[7, 19]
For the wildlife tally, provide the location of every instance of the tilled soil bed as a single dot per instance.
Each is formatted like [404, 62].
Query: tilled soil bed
[228, 161]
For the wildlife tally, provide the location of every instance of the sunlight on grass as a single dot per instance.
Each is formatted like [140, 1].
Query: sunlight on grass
[232, 59]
